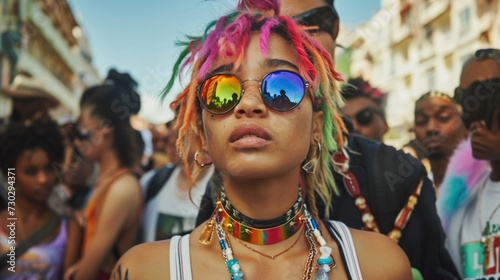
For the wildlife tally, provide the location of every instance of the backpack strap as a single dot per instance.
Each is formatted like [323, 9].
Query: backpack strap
[159, 179]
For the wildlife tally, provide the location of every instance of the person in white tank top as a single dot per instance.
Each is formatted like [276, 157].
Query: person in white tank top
[261, 107]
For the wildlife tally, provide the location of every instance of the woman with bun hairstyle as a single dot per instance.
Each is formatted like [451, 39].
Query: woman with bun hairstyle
[113, 212]
[261, 94]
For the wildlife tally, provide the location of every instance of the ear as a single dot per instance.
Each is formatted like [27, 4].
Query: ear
[107, 129]
[202, 134]
[386, 127]
[317, 127]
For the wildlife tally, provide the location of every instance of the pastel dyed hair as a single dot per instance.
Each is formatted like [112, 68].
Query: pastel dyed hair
[227, 37]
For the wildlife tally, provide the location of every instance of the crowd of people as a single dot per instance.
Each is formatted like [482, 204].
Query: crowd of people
[257, 187]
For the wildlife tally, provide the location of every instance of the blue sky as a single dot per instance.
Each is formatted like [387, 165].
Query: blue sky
[139, 36]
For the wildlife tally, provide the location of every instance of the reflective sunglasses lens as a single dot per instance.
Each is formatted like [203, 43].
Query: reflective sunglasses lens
[480, 101]
[283, 90]
[365, 116]
[82, 135]
[220, 93]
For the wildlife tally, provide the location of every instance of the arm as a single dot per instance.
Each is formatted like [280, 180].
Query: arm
[73, 244]
[145, 261]
[119, 207]
[380, 257]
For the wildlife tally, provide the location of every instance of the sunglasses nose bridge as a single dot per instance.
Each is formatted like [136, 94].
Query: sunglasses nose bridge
[250, 80]
[251, 100]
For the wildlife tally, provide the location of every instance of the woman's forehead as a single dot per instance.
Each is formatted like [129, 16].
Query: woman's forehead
[280, 53]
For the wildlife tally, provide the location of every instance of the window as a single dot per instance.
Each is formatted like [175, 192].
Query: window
[406, 18]
[465, 20]
[447, 32]
[393, 64]
[431, 84]
[428, 34]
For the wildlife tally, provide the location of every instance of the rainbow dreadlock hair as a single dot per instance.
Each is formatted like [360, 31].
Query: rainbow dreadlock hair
[227, 37]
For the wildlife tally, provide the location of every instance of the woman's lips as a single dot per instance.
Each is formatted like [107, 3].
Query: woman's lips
[249, 135]
[44, 191]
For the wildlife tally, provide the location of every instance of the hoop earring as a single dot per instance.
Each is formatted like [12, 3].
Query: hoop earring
[310, 166]
[200, 165]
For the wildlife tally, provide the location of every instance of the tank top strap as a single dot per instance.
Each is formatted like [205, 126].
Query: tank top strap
[180, 263]
[342, 236]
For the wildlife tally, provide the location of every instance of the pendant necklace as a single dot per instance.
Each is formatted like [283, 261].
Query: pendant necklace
[272, 257]
[325, 263]
[484, 234]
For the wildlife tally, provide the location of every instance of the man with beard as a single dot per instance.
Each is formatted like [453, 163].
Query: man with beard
[438, 130]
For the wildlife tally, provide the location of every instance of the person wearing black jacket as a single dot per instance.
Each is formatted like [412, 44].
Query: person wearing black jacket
[387, 177]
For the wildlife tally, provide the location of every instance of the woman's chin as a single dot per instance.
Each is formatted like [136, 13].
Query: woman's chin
[256, 171]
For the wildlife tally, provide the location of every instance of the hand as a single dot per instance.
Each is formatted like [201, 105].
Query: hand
[485, 141]
[70, 273]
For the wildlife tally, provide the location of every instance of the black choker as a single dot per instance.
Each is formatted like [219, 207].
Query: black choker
[256, 223]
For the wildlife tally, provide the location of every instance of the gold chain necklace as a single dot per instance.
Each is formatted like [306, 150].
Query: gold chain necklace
[272, 257]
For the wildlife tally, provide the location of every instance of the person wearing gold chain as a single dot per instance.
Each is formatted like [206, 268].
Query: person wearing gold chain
[261, 94]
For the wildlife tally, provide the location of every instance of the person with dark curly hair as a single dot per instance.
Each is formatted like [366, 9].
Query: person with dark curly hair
[113, 212]
[29, 152]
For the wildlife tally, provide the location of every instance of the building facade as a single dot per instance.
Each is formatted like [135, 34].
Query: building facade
[43, 52]
[411, 47]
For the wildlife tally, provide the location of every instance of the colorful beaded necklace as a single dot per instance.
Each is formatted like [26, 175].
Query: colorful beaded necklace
[341, 165]
[326, 262]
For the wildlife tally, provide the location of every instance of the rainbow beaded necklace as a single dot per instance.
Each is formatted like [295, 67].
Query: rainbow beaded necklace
[325, 263]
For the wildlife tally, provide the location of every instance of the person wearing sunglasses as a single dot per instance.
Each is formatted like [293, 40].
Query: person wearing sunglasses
[262, 92]
[113, 211]
[385, 195]
[320, 16]
[363, 107]
[473, 234]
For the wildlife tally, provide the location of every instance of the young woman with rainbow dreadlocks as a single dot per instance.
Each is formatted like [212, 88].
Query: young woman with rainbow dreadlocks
[262, 92]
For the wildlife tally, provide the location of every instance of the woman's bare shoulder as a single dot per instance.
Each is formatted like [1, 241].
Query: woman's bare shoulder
[126, 187]
[144, 261]
[380, 257]
[128, 180]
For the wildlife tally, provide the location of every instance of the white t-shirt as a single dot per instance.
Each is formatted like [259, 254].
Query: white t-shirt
[171, 211]
[464, 235]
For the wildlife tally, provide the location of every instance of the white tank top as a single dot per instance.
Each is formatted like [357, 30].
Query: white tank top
[180, 264]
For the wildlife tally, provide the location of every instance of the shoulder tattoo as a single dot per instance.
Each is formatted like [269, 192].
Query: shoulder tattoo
[118, 274]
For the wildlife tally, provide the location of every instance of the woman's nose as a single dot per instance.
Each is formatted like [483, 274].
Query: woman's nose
[41, 177]
[251, 103]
